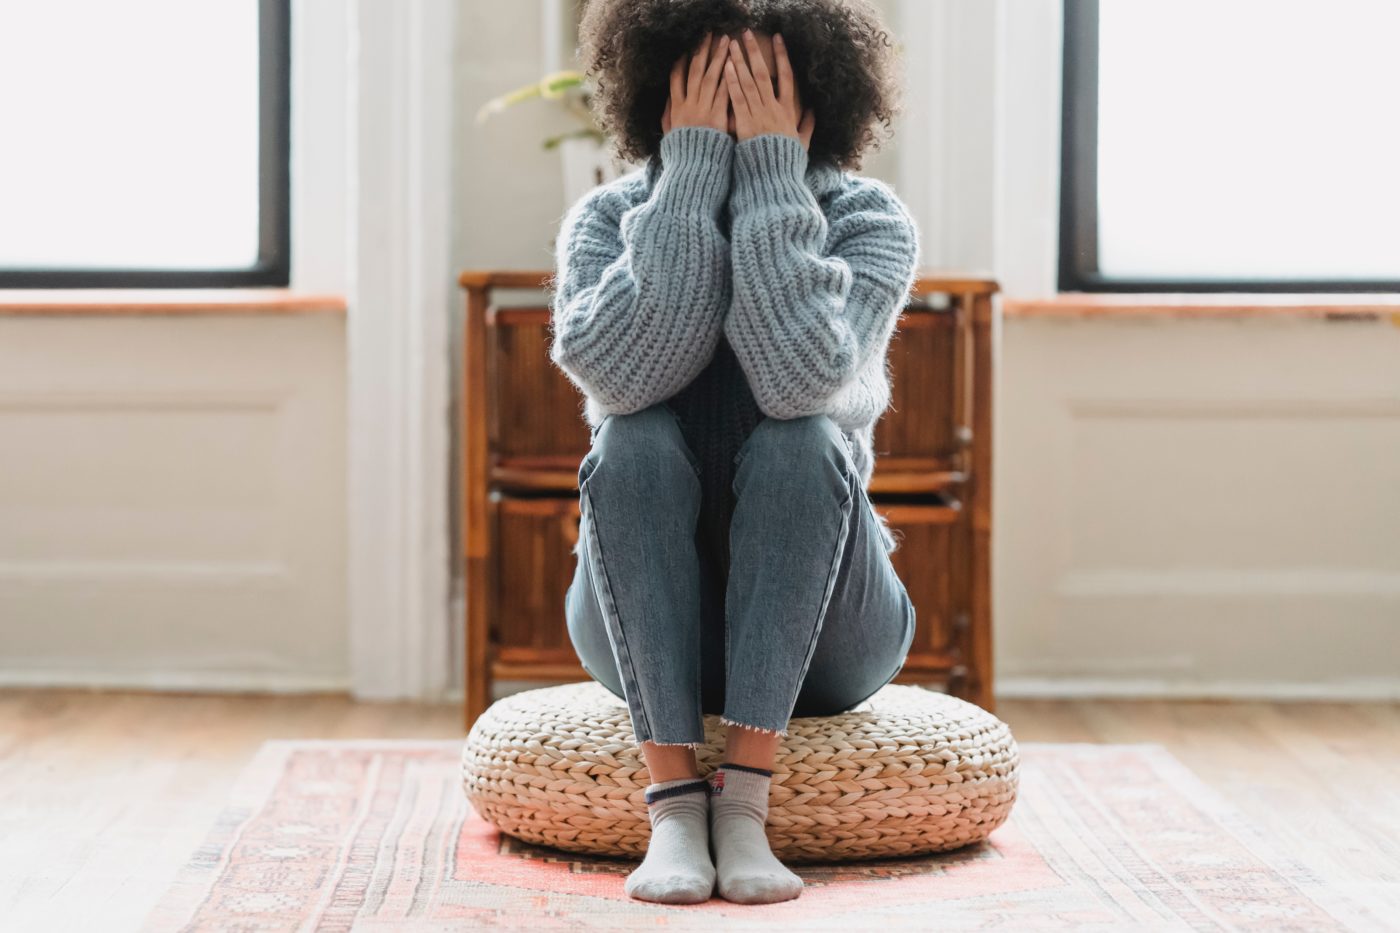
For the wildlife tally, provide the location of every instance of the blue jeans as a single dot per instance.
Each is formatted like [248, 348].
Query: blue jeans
[808, 618]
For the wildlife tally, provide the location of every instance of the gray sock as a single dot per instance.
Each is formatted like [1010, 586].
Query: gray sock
[677, 868]
[748, 871]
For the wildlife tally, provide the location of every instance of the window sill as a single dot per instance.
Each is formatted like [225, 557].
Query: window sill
[137, 302]
[1330, 306]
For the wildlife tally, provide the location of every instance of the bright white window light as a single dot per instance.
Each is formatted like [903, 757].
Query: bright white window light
[1249, 139]
[130, 134]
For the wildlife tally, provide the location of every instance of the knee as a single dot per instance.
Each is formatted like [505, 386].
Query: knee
[640, 448]
[809, 443]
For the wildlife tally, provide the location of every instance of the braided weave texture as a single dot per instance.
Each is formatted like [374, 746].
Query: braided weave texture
[907, 772]
[801, 268]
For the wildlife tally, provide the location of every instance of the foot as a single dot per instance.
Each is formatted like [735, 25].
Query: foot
[677, 868]
[747, 870]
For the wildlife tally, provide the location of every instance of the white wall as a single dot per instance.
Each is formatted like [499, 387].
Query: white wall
[1198, 507]
[172, 501]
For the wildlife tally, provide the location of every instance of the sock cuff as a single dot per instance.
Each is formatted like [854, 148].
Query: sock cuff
[668, 789]
[746, 782]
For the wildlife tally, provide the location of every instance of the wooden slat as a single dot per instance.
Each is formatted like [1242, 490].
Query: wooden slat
[896, 481]
[505, 278]
[986, 325]
[933, 281]
[909, 513]
[553, 673]
[927, 280]
[518, 316]
[559, 474]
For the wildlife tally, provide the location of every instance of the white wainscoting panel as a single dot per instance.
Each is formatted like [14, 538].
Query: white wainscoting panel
[1199, 507]
[172, 501]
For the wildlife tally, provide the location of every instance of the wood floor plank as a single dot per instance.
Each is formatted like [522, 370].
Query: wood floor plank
[103, 796]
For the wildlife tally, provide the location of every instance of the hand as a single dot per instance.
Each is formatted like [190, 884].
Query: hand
[757, 108]
[698, 96]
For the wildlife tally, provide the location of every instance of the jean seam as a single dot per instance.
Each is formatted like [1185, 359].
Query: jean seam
[727, 672]
[610, 611]
[842, 539]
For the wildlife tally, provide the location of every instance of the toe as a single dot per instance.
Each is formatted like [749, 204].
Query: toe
[671, 889]
[761, 889]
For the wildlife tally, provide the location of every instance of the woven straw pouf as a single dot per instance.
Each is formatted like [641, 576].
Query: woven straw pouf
[907, 772]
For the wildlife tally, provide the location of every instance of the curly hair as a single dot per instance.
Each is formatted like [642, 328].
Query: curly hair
[842, 58]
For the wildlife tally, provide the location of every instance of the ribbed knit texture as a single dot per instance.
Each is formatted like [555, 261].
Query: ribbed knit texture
[717, 413]
[771, 284]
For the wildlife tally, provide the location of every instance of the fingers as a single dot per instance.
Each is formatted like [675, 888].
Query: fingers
[719, 107]
[737, 98]
[698, 96]
[785, 81]
[741, 82]
[712, 83]
[698, 60]
[759, 75]
[787, 85]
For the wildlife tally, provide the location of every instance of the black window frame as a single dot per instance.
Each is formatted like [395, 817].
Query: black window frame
[1078, 246]
[273, 265]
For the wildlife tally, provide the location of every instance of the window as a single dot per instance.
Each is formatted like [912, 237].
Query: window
[146, 143]
[1230, 145]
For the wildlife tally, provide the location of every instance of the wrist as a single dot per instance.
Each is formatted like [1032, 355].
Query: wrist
[769, 167]
[696, 168]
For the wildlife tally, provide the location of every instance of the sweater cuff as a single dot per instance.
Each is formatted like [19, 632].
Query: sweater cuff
[696, 165]
[769, 168]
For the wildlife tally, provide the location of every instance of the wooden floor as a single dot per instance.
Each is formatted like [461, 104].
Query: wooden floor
[104, 795]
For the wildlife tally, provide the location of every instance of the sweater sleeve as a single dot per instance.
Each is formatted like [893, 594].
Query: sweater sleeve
[640, 291]
[814, 301]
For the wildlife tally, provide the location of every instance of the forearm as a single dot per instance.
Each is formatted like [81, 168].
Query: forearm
[814, 301]
[635, 323]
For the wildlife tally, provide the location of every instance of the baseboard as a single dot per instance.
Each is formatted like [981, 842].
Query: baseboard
[176, 681]
[1066, 688]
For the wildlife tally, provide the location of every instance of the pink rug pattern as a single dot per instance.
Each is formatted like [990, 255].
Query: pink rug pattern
[360, 835]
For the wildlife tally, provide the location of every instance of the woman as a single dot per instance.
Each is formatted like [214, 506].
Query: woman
[726, 312]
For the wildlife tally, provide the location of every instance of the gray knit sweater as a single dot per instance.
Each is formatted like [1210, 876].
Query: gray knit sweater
[734, 281]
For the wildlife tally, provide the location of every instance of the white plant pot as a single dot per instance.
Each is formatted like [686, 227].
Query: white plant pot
[587, 164]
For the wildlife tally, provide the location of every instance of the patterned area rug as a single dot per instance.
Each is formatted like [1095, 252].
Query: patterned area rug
[363, 835]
